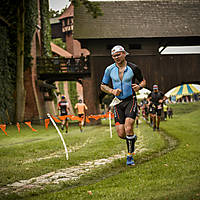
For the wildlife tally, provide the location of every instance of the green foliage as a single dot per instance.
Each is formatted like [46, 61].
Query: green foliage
[8, 43]
[59, 42]
[72, 92]
[61, 87]
[7, 77]
[92, 7]
[31, 16]
[54, 13]
[46, 28]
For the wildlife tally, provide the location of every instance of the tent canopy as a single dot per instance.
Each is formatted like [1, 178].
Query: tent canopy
[183, 90]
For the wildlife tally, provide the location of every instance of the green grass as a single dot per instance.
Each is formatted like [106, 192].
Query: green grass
[157, 175]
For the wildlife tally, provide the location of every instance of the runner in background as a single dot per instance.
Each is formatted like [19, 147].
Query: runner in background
[170, 112]
[165, 108]
[156, 99]
[64, 109]
[145, 112]
[81, 107]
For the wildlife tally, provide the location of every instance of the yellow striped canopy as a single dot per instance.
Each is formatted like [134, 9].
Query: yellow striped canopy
[184, 90]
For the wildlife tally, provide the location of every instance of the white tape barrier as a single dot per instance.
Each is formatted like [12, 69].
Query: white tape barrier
[63, 141]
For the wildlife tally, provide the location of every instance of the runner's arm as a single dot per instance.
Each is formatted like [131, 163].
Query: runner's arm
[139, 86]
[140, 78]
[149, 99]
[163, 99]
[109, 90]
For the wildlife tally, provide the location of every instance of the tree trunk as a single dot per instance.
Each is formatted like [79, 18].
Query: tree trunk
[20, 90]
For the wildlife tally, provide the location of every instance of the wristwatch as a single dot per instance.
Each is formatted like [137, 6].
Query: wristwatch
[140, 86]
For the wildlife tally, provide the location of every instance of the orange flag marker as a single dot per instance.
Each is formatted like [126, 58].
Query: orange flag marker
[55, 119]
[18, 126]
[87, 119]
[3, 128]
[47, 123]
[29, 124]
[63, 117]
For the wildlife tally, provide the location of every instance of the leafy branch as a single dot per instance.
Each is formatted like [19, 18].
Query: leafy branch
[93, 8]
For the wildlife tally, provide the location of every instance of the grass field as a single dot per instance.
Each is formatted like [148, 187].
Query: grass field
[167, 162]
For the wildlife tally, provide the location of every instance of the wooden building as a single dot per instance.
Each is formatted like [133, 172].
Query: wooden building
[142, 27]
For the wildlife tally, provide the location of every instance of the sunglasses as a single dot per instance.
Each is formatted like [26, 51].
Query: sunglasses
[116, 55]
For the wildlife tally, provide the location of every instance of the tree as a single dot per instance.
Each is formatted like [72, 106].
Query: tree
[59, 42]
[92, 7]
[54, 13]
[20, 90]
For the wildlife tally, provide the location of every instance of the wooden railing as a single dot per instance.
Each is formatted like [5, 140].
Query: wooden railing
[62, 68]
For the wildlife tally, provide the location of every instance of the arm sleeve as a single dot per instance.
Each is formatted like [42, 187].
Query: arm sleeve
[106, 77]
[162, 95]
[138, 74]
[149, 95]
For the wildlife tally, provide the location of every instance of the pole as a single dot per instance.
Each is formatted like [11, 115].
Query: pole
[110, 124]
[67, 157]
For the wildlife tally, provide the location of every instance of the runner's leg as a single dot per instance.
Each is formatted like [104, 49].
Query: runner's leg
[120, 130]
[130, 137]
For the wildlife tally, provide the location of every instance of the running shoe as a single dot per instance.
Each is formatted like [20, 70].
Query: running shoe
[62, 128]
[130, 160]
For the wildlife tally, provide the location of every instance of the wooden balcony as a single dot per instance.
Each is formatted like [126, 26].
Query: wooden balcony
[62, 69]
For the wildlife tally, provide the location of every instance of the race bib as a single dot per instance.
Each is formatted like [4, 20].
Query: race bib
[115, 101]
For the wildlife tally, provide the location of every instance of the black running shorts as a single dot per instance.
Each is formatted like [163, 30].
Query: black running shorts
[63, 114]
[127, 108]
[80, 115]
[156, 110]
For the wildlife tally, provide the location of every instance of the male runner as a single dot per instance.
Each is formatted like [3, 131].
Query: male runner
[123, 75]
[156, 99]
[64, 109]
[145, 112]
[81, 107]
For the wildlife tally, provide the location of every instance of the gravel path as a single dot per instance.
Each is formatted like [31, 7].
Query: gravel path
[67, 174]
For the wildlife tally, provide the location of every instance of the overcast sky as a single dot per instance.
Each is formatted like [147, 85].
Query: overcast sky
[58, 4]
